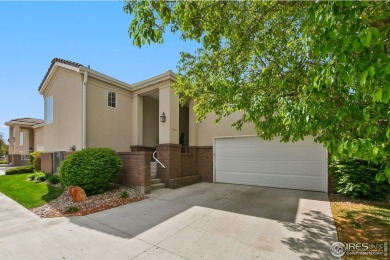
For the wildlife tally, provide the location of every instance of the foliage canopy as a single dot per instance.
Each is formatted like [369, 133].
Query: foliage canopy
[292, 68]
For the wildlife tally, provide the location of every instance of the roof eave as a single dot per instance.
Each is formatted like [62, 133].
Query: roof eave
[105, 78]
[169, 75]
[51, 73]
[12, 123]
[38, 125]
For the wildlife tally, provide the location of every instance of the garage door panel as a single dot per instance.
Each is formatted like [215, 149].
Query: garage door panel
[245, 166]
[252, 161]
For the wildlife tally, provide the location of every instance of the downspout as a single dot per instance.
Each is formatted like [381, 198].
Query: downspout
[84, 112]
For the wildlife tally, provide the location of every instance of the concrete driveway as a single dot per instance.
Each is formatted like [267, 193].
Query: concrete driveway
[202, 221]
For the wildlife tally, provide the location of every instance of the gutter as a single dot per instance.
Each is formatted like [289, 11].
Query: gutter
[169, 75]
[105, 78]
[84, 111]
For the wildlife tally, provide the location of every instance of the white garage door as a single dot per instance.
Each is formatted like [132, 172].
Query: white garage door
[250, 160]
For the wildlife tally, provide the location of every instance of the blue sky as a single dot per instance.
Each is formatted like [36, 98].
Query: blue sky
[90, 33]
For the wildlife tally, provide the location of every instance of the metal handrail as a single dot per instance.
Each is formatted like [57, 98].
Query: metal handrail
[154, 157]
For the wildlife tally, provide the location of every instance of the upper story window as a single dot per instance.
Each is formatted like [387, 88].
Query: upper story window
[49, 110]
[21, 141]
[111, 99]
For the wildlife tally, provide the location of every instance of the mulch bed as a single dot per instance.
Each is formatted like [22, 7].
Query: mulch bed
[339, 198]
[109, 199]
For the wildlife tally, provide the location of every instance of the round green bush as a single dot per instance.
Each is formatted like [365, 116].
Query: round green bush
[91, 169]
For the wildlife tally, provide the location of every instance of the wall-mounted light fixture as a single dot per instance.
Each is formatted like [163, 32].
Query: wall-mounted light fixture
[163, 117]
[73, 148]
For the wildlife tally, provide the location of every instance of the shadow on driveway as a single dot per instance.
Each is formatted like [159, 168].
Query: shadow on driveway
[214, 221]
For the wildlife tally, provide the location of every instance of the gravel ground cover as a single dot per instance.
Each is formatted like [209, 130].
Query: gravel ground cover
[112, 198]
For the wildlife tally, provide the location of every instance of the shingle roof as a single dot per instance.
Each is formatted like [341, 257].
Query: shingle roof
[67, 62]
[25, 120]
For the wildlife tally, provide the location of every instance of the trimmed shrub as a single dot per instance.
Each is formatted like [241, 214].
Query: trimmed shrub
[52, 179]
[92, 169]
[35, 160]
[356, 178]
[37, 177]
[3, 162]
[20, 170]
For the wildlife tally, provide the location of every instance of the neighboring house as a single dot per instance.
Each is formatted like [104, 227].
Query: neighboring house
[25, 136]
[85, 108]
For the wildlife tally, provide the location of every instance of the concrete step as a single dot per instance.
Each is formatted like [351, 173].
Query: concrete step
[157, 186]
[155, 181]
[153, 176]
[153, 171]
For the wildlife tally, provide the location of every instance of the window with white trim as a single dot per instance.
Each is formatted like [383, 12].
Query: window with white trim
[49, 110]
[111, 99]
[21, 138]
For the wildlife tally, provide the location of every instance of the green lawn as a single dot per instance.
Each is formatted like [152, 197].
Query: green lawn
[28, 194]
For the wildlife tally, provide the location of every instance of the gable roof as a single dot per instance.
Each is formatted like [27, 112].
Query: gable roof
[53, 62]
[79, 68]
[28, 121]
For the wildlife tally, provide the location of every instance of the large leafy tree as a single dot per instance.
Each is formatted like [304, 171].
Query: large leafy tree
[293, 68]
[3, 146]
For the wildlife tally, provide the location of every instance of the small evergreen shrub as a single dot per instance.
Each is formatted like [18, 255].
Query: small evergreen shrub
[124, 195]
[71, 209]
[52, 179]
[20, 170]
[356, 178]
[37, 177]
[35, 160]
[92, 169]
[3, 162]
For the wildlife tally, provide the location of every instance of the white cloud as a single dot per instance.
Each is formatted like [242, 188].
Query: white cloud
[3, 126]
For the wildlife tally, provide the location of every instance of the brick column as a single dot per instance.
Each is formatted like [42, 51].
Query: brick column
[47, 162]
[135, 170]
[205, 163]
[16, 159]
[194, 151]
[9, 158]
[170, 156]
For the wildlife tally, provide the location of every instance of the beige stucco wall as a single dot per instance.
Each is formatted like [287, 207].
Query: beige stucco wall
[38, 137]
[106, 126]
[151, 120]
[202, 134]
[169, 104]
[28, 139]
[24, 149]
[66, 129]
[137, 111]
[11, 143]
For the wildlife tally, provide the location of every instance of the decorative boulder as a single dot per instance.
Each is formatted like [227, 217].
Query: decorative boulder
[78, 194]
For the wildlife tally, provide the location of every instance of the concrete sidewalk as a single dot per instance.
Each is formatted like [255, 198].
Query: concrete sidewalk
[202, 221]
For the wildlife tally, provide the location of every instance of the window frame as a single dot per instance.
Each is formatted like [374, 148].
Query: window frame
[21, 137]
[52, 110]
[115, 99]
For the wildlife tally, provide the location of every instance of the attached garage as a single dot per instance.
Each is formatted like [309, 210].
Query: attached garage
[252, 161]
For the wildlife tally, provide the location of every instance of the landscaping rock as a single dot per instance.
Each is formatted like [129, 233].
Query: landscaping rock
[78, 194]
[109, 199]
